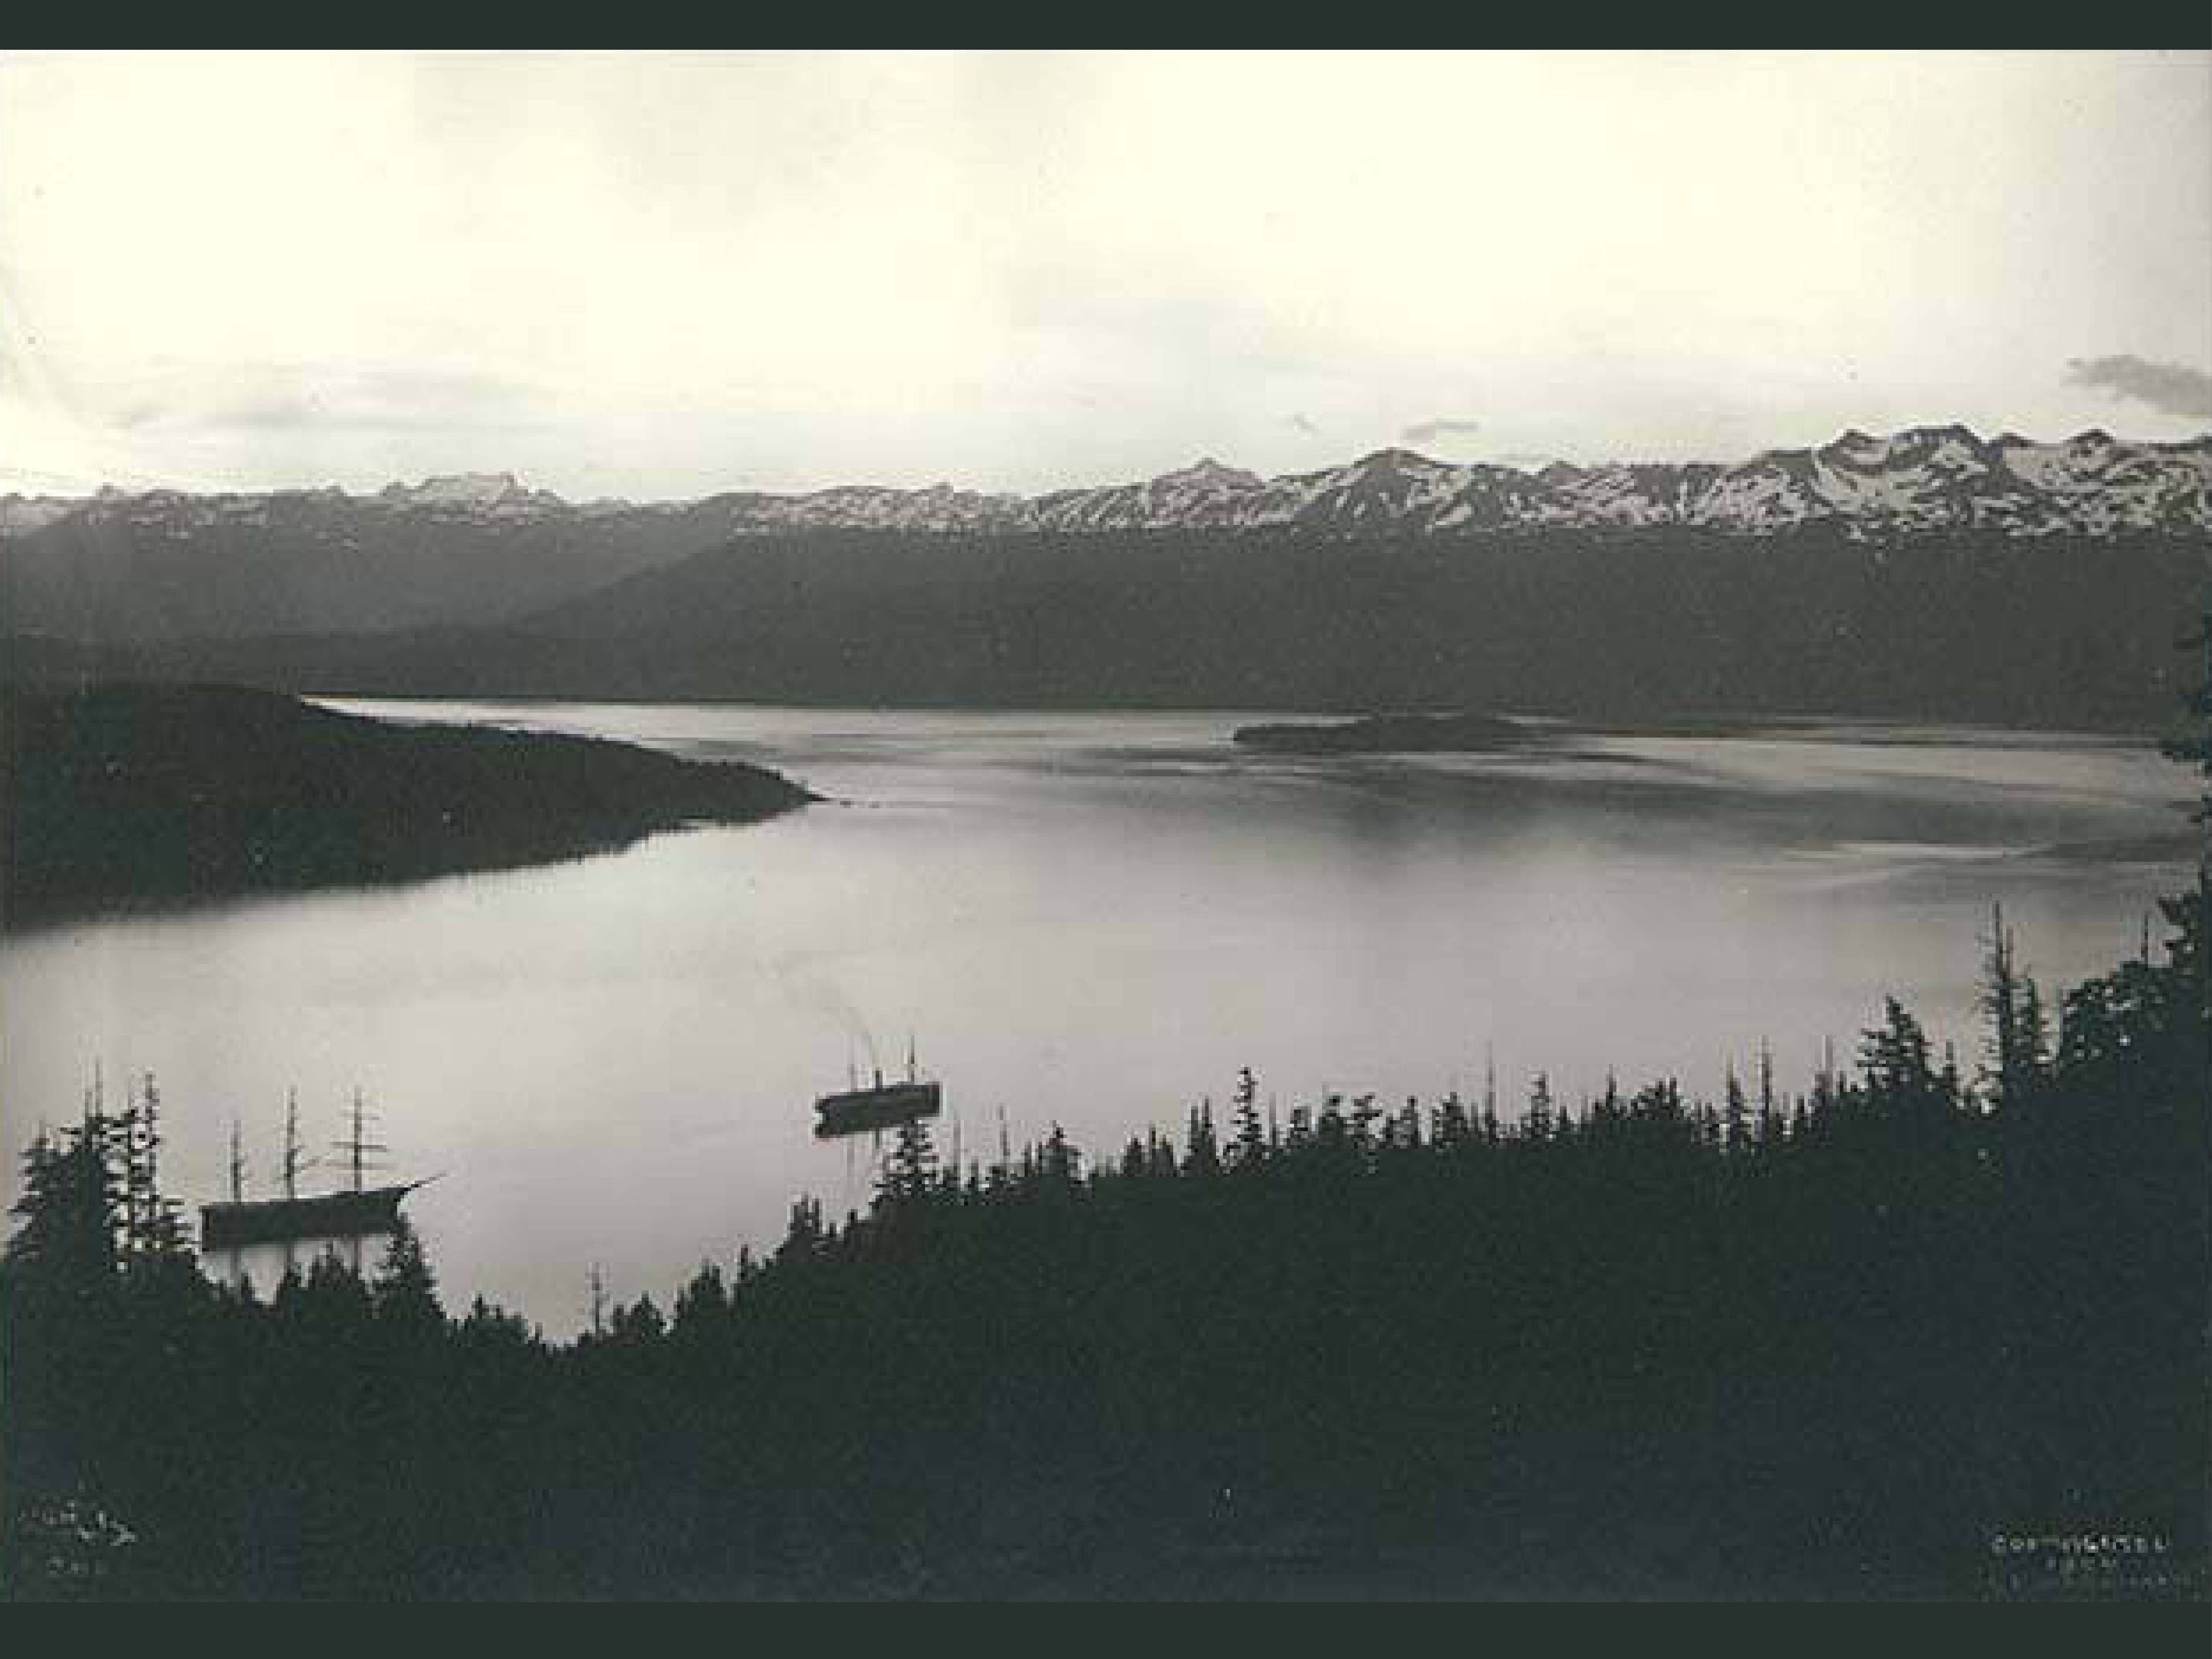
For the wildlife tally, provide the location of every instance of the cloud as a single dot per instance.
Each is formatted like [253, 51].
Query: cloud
[1443, 426]
[2170, 388]
[263, 398]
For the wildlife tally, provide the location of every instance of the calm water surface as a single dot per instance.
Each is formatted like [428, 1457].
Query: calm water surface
[1086, 919]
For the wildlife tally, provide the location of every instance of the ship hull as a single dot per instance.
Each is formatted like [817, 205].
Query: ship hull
[281, 1220]
[876, 1109]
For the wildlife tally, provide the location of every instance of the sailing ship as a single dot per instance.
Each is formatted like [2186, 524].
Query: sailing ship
[353, 1211]
[884, 1106]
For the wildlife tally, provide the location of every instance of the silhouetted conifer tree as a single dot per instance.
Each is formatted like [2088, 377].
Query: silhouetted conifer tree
[1449, 1125]
[405, 1289]
[1537, 1124]
[1735, 1114]
[911, 1169]
[1251, 1136]
[1201, 1155]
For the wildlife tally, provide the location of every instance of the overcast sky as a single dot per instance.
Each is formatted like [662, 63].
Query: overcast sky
[658, 277]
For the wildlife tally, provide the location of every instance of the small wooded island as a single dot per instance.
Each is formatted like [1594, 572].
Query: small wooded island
[1467, 732]
[126, 791]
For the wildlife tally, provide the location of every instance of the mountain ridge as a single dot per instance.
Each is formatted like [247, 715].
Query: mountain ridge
[1916, 480]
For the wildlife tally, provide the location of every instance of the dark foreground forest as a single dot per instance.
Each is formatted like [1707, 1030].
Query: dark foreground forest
[122, 793]
[1920, 1330]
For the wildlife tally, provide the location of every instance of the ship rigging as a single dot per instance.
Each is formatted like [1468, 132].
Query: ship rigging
[355, 1210]
[882, 1106]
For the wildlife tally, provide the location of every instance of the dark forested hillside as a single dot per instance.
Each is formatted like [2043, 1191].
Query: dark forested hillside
[123, 792]
[2007, 630]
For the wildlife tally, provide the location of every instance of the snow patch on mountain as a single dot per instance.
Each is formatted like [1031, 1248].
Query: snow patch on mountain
[18, 514]
[1920, 480]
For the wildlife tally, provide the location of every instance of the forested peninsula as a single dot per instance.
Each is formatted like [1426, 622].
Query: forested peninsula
[121, 794]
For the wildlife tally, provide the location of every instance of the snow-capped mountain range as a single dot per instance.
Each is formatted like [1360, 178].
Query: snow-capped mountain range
[1920, 480]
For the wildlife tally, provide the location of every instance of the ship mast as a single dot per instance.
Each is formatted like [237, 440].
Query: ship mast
[237, 1165]
[355, 1145]
[292, 1164]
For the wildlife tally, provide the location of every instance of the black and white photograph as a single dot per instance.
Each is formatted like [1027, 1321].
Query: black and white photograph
[1077, 826]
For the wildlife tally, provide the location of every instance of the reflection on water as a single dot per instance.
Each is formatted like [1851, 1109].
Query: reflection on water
[263, 1266]
[1083, 919]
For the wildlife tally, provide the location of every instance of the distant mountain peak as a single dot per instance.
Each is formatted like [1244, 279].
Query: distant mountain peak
[1209, 473]
[1395, 458]
[1950, 432]
[463, 489]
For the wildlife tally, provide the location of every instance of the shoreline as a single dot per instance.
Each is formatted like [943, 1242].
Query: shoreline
[131, 797]
[1899, 729]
